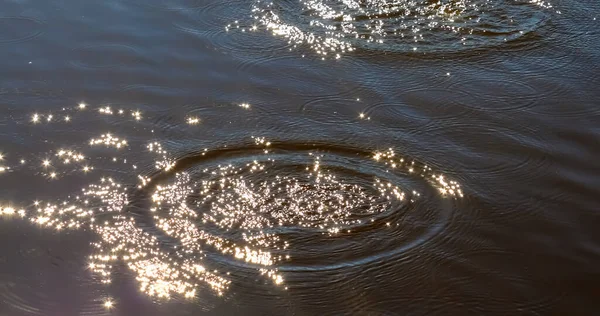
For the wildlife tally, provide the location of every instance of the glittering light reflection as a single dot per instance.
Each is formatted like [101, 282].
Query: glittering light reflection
[137, 115]
[193, 120]
[363, 116]
[334, 27]
[108, 140]
[108, 304]
[106, 110]
[198, 210]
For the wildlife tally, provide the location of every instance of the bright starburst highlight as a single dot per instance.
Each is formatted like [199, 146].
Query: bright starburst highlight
[109, 304]
[137, 115]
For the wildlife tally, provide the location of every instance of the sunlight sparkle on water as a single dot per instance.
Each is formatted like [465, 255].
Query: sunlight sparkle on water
[334, 27]
[199, 209]
[108, 304]
[193, 120]
[108, 140]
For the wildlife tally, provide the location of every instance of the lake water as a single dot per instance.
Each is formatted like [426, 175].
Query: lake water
[299, 157]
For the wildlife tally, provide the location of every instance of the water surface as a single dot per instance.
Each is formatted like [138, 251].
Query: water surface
[314, 157]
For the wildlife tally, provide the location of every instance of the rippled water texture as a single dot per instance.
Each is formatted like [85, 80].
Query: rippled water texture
[336, 26]
[322, 157]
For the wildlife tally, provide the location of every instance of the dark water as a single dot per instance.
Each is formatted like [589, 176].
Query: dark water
[299, 157]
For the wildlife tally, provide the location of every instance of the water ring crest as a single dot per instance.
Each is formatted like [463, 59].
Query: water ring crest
[292, 207]
[333, 27]
[213, 217]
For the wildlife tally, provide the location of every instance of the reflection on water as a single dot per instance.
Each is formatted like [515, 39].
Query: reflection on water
[155, 199]
[246, 203]
[333, 27]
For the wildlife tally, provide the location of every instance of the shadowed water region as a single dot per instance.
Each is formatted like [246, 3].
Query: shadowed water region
[299, 157]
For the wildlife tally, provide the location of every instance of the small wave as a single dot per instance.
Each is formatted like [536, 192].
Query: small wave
[334, 27]
[216, 216]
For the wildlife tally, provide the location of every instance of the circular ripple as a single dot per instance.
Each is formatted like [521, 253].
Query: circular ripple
[332, 109]
[30, 296]
[336, 26]
[399, 114]
[501, 282]
[104, 56]
[510, 154]
[436, 103]
[20, 295]
[218, 23]
[19, 29]
[499, 94]
[292, 207]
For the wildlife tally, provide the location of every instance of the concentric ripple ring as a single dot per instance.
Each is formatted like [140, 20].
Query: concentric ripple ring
[284, 188]
[334, 27]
